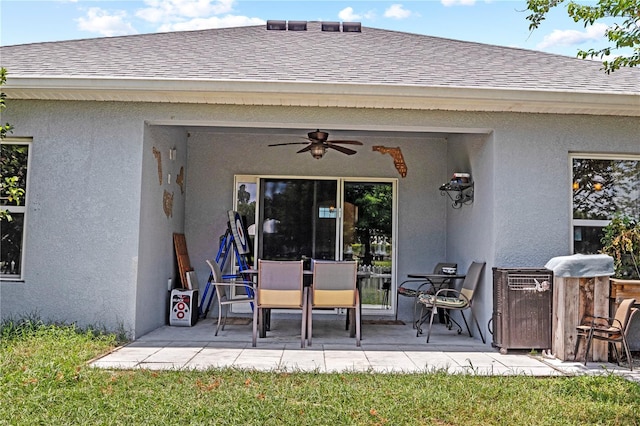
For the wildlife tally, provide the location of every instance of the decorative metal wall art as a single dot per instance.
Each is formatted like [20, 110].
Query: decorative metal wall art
[167, 203]
[396, 154]
[180, 180]
[158, 156]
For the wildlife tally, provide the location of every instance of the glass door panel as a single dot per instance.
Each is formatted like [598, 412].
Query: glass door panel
[299, 219]
[367, 234]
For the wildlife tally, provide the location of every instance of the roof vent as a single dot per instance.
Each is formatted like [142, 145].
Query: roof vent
[277, 25]
[297, 26]
[331, 26]
[351, 27]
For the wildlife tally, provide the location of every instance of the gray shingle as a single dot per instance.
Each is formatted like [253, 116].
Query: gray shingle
[374, 56]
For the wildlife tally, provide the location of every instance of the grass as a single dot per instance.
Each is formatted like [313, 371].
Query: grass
[45, 379]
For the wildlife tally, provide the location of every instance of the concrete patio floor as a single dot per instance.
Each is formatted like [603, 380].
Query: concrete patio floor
[385, 348]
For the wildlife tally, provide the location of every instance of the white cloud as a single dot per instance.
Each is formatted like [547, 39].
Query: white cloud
[397, 11]
[458, 2]
[212, 22]
[348, 15]
[104, 23]
[572, 37]
[164, 11]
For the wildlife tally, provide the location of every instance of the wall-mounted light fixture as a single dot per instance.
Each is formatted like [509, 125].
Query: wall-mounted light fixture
[459, 189]
[172, 153]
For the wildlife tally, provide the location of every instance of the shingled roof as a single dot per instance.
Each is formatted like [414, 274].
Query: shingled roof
[408, 70]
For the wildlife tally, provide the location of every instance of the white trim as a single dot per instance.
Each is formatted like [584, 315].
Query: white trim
[597, 223]
[345, 95]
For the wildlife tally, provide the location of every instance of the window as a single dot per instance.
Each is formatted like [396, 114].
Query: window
[602, 187]
[14, 161]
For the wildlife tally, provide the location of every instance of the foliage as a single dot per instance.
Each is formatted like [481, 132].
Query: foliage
[622, 242]
[621, 35]
[6, 128]
[10, 188]
[45, 379]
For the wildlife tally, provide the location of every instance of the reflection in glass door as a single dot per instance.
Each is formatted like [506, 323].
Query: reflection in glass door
[367, 234]
[299, 219]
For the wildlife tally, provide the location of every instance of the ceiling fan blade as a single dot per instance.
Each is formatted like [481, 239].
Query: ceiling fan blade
[342, 149]
[347, 142]
[288, 143]
[305, 149]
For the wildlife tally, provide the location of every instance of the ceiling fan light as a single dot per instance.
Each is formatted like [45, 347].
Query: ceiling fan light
[317, 151]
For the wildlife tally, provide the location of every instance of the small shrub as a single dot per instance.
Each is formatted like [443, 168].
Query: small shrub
[622, 242]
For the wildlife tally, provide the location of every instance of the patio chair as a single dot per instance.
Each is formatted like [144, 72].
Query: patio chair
[334, 286]
[454, 300]
[411, 288]
[280, 286]
[224, 293]
[612, 330]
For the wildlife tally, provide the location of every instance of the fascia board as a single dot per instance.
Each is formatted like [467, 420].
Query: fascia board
[324, 95]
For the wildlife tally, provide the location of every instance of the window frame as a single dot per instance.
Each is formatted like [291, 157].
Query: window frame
[21, 209]
[596, 223]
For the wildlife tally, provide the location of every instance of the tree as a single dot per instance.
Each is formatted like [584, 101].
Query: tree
[620, 35]
[11, 189]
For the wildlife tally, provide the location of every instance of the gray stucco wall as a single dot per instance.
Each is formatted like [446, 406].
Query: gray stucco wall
[99, 247]
[83, 213]
[156, 263]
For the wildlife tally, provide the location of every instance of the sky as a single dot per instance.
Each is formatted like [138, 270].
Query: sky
[498, 22]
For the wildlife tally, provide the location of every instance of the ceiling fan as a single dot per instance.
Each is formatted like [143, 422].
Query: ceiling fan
[319, 144]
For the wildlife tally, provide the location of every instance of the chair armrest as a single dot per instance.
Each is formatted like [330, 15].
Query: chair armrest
[402, 284]
[242, 284]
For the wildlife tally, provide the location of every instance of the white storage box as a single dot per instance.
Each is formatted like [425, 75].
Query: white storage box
[183, 307]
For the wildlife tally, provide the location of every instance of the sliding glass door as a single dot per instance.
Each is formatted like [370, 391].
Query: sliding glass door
[291, 218]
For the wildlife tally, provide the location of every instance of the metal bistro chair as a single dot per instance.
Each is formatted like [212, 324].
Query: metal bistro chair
[408, 288]
[612, 330]
[223, 293]
[280, 286]
[450, 299]
[334, 286]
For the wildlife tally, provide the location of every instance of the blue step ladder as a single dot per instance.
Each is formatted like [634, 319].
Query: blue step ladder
[234, 240]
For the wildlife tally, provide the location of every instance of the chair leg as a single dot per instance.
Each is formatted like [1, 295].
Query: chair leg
[358, 320]
[625, 344]
[255, 326]
[433, 311]
[466, 324]
[415, 309]
[586, 352]
[309, 324]
[416, 324]
[303, 326]
[478, 327]
[219, 318]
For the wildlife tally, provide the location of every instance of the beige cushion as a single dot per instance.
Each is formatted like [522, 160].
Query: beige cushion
[333, 298]
[280, 298]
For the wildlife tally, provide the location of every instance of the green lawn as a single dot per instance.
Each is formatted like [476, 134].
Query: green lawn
[44, 379]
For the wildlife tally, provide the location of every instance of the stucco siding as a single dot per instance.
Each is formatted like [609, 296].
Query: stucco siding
[82, 231]
[99, 244]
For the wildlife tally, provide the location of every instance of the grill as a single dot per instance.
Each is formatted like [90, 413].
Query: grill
[522, 308]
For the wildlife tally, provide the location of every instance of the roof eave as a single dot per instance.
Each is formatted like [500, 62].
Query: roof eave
[307, 94]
